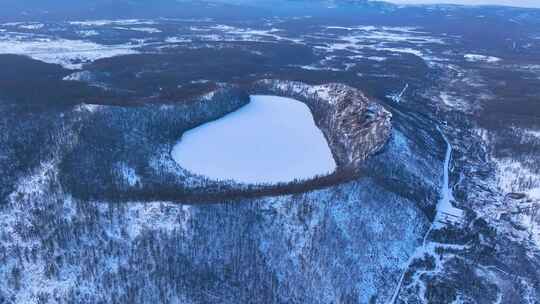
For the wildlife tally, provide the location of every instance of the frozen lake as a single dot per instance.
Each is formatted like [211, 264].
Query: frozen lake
[272, 139]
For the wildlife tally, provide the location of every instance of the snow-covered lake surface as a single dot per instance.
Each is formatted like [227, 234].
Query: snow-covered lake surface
[272, 139]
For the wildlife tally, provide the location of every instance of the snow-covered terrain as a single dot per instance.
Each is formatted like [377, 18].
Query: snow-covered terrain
[481, 58]
[71, 54]
[446, 212]
[272, 139]
[115, 22]
[436, 107]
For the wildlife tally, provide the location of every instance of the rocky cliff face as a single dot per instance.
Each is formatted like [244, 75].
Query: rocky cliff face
[129, 147]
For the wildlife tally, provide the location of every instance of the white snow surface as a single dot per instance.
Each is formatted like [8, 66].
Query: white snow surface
[117, 22]
[71, 54]
[149, 30]
[270, 140]
[32, 26]
[358, 40]
[88, 33]
[446, 212]
[533, 133]
[128, 174]
[481, 58]
[177, 40]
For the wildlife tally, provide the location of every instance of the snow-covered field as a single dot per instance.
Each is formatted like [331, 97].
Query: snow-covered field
[272, 139]
[481, 58]
[71, 54]
[334, 43]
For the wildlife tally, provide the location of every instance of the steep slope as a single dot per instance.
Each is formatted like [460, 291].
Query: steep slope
[330, 245]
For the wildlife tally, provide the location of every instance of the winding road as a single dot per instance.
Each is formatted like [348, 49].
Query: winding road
[444, 207]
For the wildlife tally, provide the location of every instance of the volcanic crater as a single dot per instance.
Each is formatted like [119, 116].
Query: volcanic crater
[141, 139]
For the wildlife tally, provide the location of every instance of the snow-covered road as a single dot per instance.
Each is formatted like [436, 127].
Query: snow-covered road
[445, 213]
